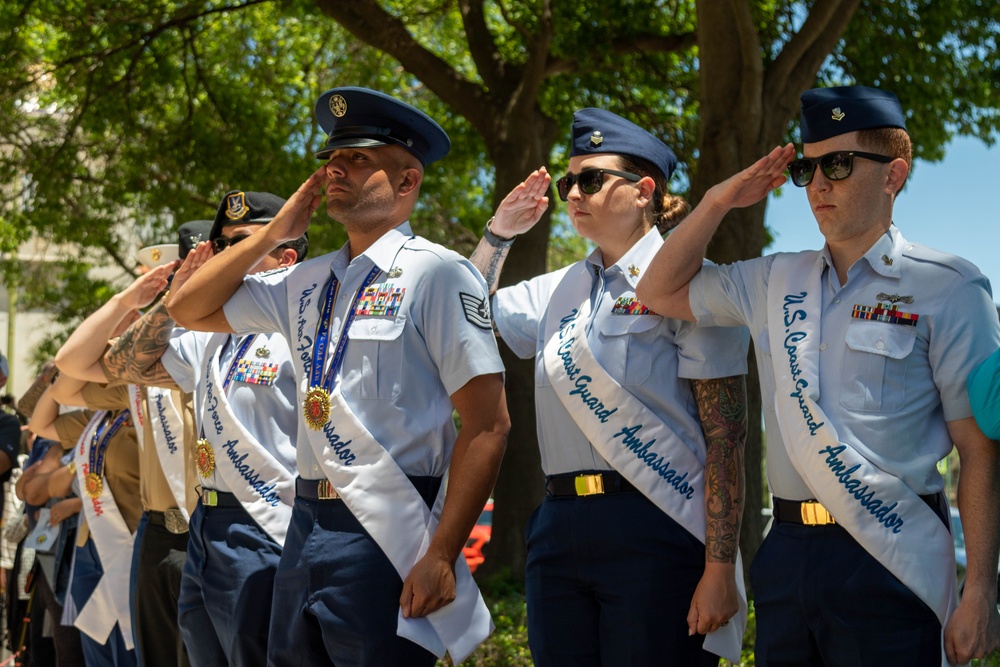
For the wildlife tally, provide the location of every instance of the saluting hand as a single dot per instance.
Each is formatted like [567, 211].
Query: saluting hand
[429, 586]
[293, 219]
[194, 260]
[523, 206]
[755, 182]
[144, 289]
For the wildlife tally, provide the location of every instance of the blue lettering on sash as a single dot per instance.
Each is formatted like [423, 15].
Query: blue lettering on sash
[855, 487]
[171, 439]
[344, 452]
[791, 338]
[212, 402]
[581, 388]
[265, 491]
[304, 347]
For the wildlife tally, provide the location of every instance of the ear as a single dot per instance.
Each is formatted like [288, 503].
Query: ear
[646, 187]
[898, 171]
[287, 257]
[410, 179]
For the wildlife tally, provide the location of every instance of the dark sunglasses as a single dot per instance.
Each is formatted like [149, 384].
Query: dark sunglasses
[836, 166]
[222, 242]
[591, 181]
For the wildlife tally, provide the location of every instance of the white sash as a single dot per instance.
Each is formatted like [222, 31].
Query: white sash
[109, 603]
[628, 435]
[264, 486]
[167, 426]
[880, 511]
[135, 407]
[385, 502]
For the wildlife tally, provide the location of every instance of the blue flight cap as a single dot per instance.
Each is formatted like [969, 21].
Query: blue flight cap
[362, 118]
[599, 131]
[245, 208]
[190, 234]
[828, 112]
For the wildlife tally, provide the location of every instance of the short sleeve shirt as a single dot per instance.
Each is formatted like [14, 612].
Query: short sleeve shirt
[401, 363]
[889, 389]
[654, 358]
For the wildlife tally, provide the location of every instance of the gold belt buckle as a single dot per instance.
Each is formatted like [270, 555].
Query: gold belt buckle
[589, 485]
[325, 490]
[814, 514]
[174, 521]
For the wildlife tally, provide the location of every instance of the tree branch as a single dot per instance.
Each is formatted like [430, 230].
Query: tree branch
[482, 47]
[625, 46]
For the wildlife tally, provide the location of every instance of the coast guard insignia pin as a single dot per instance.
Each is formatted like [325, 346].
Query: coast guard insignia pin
[887, 260]
[633, 270]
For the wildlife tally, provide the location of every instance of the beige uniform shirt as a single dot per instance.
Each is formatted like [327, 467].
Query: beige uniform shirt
[154, 489]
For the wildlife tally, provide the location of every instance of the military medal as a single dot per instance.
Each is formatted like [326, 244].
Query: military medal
[316, 408]
[204, 458]
[94, 485]
[316, 405]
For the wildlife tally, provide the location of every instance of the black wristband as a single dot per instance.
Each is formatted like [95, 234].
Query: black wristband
[494, 240]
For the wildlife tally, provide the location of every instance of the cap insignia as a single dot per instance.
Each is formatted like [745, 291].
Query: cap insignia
[395, 272]
[596, 139]
[338, 106]
[156, 254]
[633, 270]
[236, 206]
[837, 115]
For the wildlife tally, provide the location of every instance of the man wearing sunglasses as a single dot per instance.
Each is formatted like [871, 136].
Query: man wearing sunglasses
[863, 348]
[392, 336]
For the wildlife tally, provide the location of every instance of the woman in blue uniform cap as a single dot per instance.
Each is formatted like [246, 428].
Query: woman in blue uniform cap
[617, 568]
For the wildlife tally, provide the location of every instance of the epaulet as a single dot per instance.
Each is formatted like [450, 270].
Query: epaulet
[422, 244]
[963, 267]
[265, 274]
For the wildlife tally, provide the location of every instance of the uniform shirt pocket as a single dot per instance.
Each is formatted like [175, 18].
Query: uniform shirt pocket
[628, 347]
[379, 341]
[873, 377]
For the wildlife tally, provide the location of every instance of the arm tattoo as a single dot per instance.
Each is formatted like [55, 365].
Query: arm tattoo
[26, 405]
[489, 260]
[135, 356]
[722, 407]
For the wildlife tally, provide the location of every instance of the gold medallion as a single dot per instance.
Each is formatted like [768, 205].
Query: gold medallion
[94, 485]
[316, 408]
[204, 458]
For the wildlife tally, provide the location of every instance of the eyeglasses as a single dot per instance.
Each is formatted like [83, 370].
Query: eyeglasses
[591, 181]
[836, 166]
[222, 242]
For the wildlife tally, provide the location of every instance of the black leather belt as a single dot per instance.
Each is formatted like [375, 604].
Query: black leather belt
[221, 499]
[172, 520]
[322, 489]
[587, 483]
[812, 513]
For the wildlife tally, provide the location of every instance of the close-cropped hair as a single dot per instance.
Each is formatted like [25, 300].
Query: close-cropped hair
[667, 210]
[299, 245]
[892, 142]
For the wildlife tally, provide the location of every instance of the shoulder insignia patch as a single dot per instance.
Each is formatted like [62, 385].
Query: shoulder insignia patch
[477, 310]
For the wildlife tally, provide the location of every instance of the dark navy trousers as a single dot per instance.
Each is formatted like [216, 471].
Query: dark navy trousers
[336, 596]
[227, 585]
[609, 582]
[823, 601]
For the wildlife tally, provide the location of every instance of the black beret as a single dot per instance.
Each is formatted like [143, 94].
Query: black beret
[245, 208]
[362, 118]
[828, 112]
[190, 234]
[599, 131]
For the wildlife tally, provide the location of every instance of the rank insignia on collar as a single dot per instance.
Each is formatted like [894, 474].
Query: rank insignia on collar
[236, 206]
[633, 270]
[885, 313]
[893, 298]
[380, 301]
[477, 310]
[263, 353]
[629, 305]
[596, 139]
[837, 114]
[338, 106]
[395, 272]
[887, 260]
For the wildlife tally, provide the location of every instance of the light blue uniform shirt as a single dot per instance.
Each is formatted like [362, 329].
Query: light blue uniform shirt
[653, 357]
[399, 370]
[267, 412]
[888, 389]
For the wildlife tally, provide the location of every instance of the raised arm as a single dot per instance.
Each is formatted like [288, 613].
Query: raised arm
[27, 402]
[664, 284]
[474, 465]
[197, 305]
[80, 355]
[517, 213]
[974, 629]
[722, 408]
